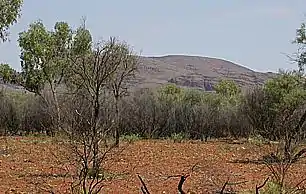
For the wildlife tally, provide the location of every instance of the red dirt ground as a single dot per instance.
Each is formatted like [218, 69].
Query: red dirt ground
[34, 164]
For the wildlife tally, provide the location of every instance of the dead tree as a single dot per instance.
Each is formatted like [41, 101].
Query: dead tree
[126, 62]
[90, 75]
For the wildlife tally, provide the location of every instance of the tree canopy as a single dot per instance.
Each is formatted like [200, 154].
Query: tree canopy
[10, 12]
[43, 54]
[6, 72]
[286, 91]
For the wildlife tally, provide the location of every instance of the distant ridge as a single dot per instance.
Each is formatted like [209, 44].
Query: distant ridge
[189, 71]
[195, 72]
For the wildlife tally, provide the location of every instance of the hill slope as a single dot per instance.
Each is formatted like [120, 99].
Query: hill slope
[194, 71]
[188, 71]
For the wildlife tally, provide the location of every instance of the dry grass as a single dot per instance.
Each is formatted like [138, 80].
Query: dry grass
[40, 164]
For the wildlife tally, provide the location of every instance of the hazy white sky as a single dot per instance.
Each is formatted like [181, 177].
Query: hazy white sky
[256, 34]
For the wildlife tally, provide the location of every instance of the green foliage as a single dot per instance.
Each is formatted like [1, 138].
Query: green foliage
[300, 40]
[300, 34]
[286, 91]
[18, 97]
[43, 54]
[7, 73]
[273, 187]
[275, 109]
[82, 41]
[173, 110]
[192, 97]
[227, 88]
[131, 138]
[9, 117]
[257, 140]
[10, 12]
[178, 137]
[174, 94]
[170, 93]
[95, 173]
[228, 93]
[211, 99]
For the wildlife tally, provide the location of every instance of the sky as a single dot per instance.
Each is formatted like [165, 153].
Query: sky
[256, 34]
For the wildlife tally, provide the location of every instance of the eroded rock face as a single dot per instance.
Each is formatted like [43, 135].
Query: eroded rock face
[188, 71]
[195, 72]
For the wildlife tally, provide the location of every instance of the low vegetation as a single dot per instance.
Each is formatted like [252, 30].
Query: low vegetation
[83, 131]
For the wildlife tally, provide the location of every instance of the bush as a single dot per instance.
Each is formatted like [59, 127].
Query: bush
[23, 113]
[9, 117]
[145, 115]
[171, 110]
[37, 117]
[275, 110]
[131, 138]
[178, 137]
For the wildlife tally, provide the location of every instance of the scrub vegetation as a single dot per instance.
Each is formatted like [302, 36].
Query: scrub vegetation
[77, 127]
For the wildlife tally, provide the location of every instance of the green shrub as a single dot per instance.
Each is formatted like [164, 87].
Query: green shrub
[273, 188]
[178, 137]
[257, 140]
[131, 138]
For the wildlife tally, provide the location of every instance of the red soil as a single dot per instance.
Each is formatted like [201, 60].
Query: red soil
[39, 165]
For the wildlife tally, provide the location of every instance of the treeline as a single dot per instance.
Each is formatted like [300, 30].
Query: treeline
[271, 111]
[81, 88]
[79, 85]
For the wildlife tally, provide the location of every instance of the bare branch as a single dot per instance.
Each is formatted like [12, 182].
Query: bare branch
[261, 186]
[223, 187]
[180, 185]
[144, 188]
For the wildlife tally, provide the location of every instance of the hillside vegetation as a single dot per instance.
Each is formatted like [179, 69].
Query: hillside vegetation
[79, 125]
[195, 72]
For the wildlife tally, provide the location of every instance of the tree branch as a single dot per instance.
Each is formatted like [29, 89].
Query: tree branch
[261, 186]
[144, 188]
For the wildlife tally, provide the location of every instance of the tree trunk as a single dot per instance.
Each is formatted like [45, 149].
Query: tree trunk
[58, 113]
[117, 128]
[288, 140]
[95, 135]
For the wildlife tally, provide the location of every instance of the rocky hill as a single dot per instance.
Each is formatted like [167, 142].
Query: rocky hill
[194, 71]
[189, 71]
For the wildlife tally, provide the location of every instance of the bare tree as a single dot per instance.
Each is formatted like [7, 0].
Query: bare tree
[126, 62]
[91, 113]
